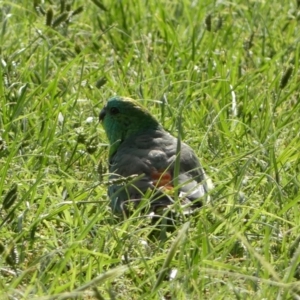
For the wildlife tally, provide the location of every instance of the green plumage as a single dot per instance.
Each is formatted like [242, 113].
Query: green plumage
[130, 119]
[140, 146]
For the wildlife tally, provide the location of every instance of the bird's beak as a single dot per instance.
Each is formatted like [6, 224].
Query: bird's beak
[102, 115]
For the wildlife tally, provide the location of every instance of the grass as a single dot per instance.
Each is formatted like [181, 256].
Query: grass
[231, 69]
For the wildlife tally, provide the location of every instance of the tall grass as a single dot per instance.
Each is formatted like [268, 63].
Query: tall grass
[233, 68]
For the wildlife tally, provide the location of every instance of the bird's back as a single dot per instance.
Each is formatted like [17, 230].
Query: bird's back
[152, 154]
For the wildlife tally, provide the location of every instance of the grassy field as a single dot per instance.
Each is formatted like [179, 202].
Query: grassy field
[230, 68]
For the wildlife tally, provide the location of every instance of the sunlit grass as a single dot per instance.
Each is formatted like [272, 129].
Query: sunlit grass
[230, 69]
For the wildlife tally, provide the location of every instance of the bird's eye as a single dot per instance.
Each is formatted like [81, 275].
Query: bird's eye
[114, 111]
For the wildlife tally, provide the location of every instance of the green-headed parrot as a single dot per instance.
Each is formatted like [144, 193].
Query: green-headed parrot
[140, 146]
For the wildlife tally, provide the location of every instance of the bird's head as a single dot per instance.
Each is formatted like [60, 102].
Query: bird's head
[123, 117]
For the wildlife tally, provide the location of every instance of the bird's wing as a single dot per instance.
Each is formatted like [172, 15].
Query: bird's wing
[151, 156]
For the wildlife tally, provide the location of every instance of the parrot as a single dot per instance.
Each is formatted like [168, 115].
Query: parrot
[147, 162]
